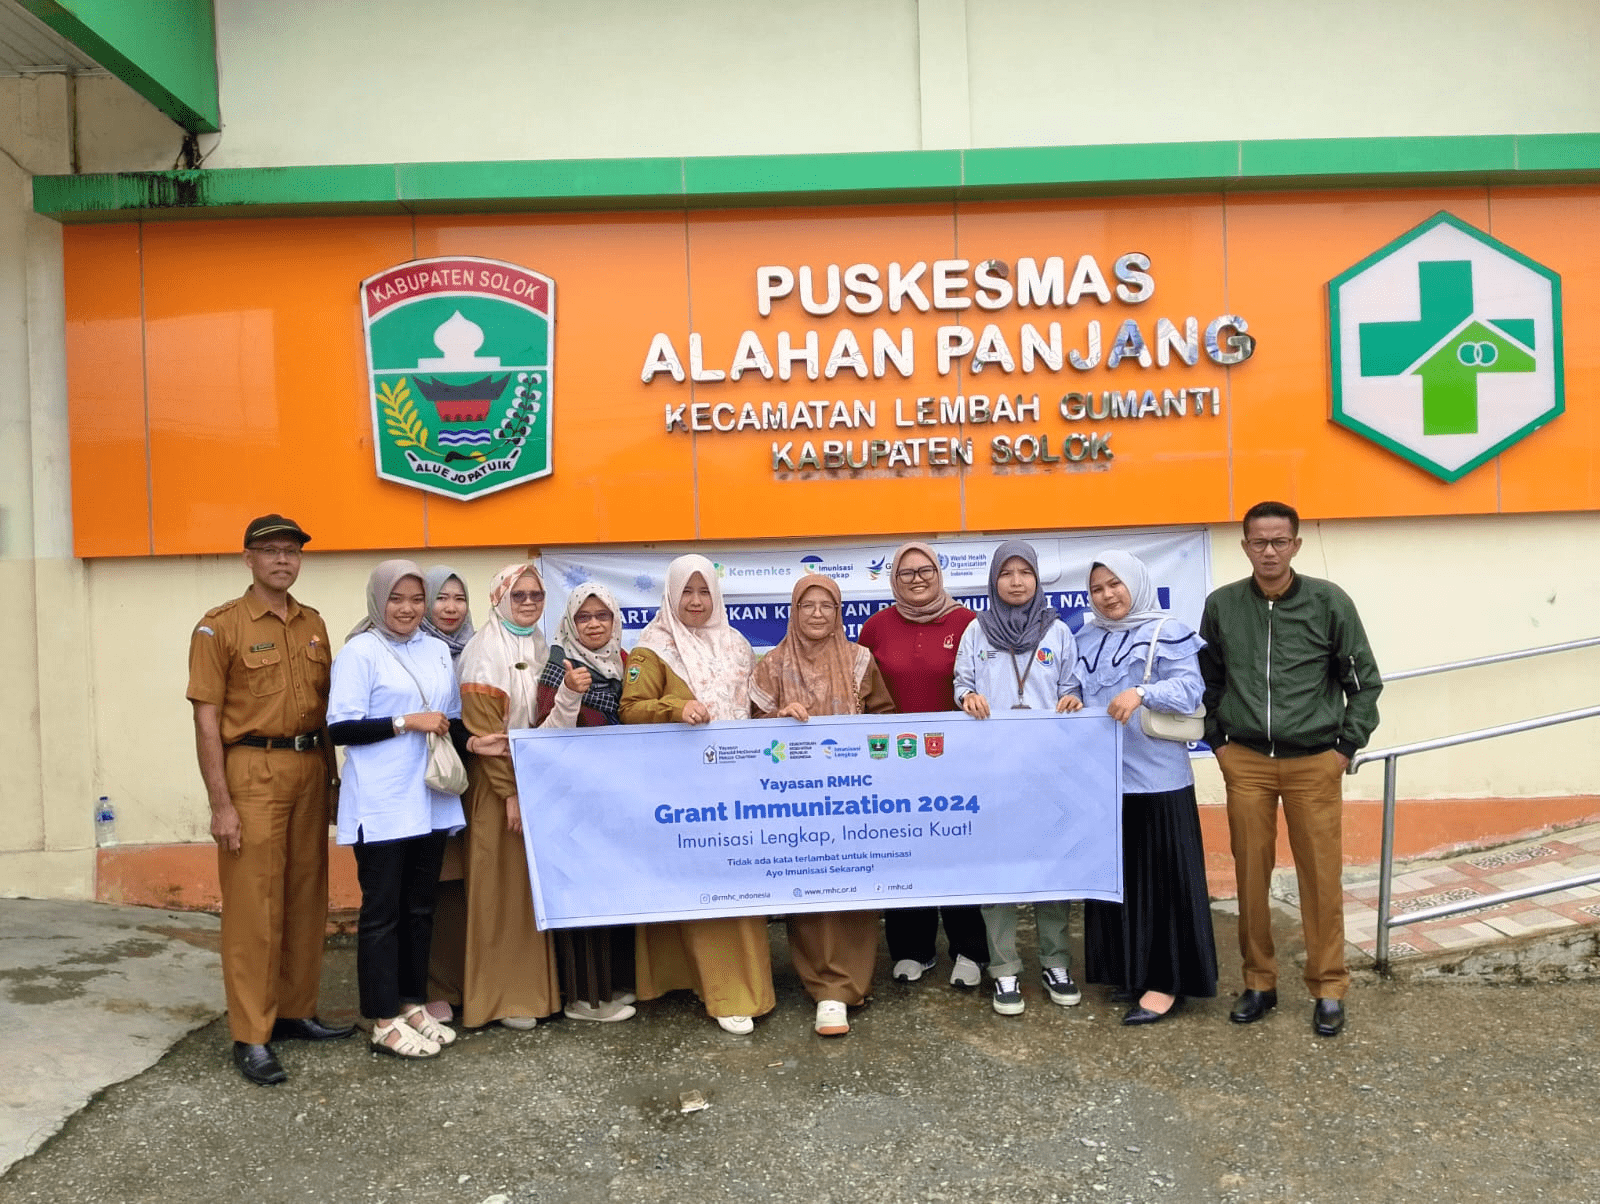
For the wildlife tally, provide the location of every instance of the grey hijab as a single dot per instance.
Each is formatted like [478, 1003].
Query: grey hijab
[379, 586]
[1016, 628]
[432, 582]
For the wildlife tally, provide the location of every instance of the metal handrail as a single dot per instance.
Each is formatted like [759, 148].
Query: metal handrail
[1390, 758]
[1497, 659]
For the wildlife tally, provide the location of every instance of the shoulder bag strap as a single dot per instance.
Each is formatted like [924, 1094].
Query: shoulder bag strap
[1150, 660]
[411, 673]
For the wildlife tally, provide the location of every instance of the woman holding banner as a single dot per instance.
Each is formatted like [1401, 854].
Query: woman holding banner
[914, 643]
[1020, 655]
[1157, 945]
[691, 666]
[511, 965]
[581, 686]
[449, 619]
[816, 670]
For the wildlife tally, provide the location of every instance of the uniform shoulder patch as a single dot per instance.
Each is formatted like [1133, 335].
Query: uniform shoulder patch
[633, 672]
[205, 629]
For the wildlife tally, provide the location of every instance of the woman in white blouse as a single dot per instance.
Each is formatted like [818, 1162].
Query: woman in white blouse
[392, 686]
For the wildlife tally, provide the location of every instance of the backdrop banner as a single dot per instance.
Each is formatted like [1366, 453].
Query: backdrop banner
[768, 817]
[756, 582]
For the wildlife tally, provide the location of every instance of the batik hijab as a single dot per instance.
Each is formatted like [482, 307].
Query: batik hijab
[604, 663]
[380, 584]
[433, 583]
[499, 659]
[823, 675]
[936, 607]
[1016, 628]
[714, 659]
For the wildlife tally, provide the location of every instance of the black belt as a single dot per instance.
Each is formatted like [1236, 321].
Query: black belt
[305, 743]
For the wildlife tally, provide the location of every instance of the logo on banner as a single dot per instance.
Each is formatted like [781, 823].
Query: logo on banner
[459, 364]
[875, 568]
[933, 743]
[774, 751]
[877, 747]
[1446, 347]
[906, 742]
[710, 754]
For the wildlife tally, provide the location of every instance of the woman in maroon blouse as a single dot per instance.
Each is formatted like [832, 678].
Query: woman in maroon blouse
[914, 642]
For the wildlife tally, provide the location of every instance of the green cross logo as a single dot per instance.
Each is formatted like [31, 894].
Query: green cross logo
[1446, 347]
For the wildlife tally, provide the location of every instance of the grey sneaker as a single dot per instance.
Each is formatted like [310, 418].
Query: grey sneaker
[1008, 999]
[909, 969]
[1061, 987]
[965, 973]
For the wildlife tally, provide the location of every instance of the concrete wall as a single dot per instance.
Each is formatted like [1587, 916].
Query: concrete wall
[305, 81]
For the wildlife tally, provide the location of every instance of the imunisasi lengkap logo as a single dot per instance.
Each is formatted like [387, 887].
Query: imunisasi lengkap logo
[1446, 347]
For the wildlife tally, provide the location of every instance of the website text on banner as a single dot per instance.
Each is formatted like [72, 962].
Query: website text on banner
[756, 581]
[670, 822]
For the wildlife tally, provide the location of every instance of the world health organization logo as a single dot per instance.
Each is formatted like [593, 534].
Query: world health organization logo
[1446, 347]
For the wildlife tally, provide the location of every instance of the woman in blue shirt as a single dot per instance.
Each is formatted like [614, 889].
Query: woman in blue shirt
[1157, 945]
[392, 687]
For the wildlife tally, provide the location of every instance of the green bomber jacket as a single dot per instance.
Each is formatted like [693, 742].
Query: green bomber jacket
[1291, 677]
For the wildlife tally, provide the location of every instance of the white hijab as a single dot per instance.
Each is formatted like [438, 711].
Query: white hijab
[1131, 571]
[497, 659]
[715, 659]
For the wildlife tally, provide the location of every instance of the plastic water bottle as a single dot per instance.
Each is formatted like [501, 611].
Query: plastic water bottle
[105, 822]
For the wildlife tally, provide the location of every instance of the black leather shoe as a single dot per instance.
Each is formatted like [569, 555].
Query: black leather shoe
[1143, 1015]
[257, 1064]
[1327, 1017]
[309, 1029]
[1252, 1005]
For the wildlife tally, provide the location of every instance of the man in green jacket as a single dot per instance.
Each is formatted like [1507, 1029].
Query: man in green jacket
[1291, 694]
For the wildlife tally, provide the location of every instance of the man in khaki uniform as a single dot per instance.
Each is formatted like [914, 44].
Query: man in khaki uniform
[258, 679]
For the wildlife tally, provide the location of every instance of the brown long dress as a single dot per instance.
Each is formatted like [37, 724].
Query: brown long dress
[727, 962]
[511, 964]
[835, 952]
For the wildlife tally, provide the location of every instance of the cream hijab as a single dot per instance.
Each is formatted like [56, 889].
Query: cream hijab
[936, 607]
[380, 585]
[715, 659]
[605, 661]
[498, 659]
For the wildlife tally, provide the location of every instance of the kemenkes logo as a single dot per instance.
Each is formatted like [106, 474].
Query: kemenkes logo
[1446, 347]
[774, 751]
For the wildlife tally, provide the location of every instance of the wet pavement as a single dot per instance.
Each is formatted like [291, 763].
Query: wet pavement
[1436, 1091]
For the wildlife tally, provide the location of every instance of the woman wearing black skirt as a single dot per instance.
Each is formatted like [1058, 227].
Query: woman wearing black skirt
[1157, 945]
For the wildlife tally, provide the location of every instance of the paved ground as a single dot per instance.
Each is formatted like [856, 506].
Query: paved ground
[1437, 1091]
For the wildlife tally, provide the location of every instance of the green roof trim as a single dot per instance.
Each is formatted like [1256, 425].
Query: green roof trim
[165, 50]
[767, 180]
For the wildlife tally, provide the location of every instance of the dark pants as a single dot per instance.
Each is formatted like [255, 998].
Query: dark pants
[399, 883]
[913, 932]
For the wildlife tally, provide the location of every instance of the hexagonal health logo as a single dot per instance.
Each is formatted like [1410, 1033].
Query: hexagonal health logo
[459, 357]
[1446, 347]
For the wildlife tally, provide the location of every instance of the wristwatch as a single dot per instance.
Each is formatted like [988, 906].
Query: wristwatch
[399, 724]
[1139, 690]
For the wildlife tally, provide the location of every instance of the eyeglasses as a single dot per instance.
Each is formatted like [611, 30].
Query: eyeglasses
[817, 608]
[1261, 545]
[926, 573]
[584, 617]
[526, 597]
[276, 551]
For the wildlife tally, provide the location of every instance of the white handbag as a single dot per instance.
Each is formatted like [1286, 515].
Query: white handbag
[445, 772]
[1162, 725]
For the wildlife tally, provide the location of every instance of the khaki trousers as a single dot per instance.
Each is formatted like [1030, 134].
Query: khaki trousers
[274, 889]
[1313, 803]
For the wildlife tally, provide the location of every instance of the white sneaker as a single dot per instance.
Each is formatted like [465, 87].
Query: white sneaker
[909, 969]
[625, 997]
[520, 1023]
[737, 1025]
[605, 1013]
[832, 1020]
[965, 973]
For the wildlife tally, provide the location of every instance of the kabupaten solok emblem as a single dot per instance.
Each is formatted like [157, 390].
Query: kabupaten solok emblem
[459, 354]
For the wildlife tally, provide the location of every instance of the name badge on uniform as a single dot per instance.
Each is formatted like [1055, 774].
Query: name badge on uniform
[267, 647]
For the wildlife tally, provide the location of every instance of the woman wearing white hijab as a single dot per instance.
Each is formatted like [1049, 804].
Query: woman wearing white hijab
[392, 687]
[1157, 945]
[691, 666]
[511, 965]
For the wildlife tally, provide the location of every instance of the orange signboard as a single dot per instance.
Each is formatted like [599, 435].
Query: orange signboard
[754, 373]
